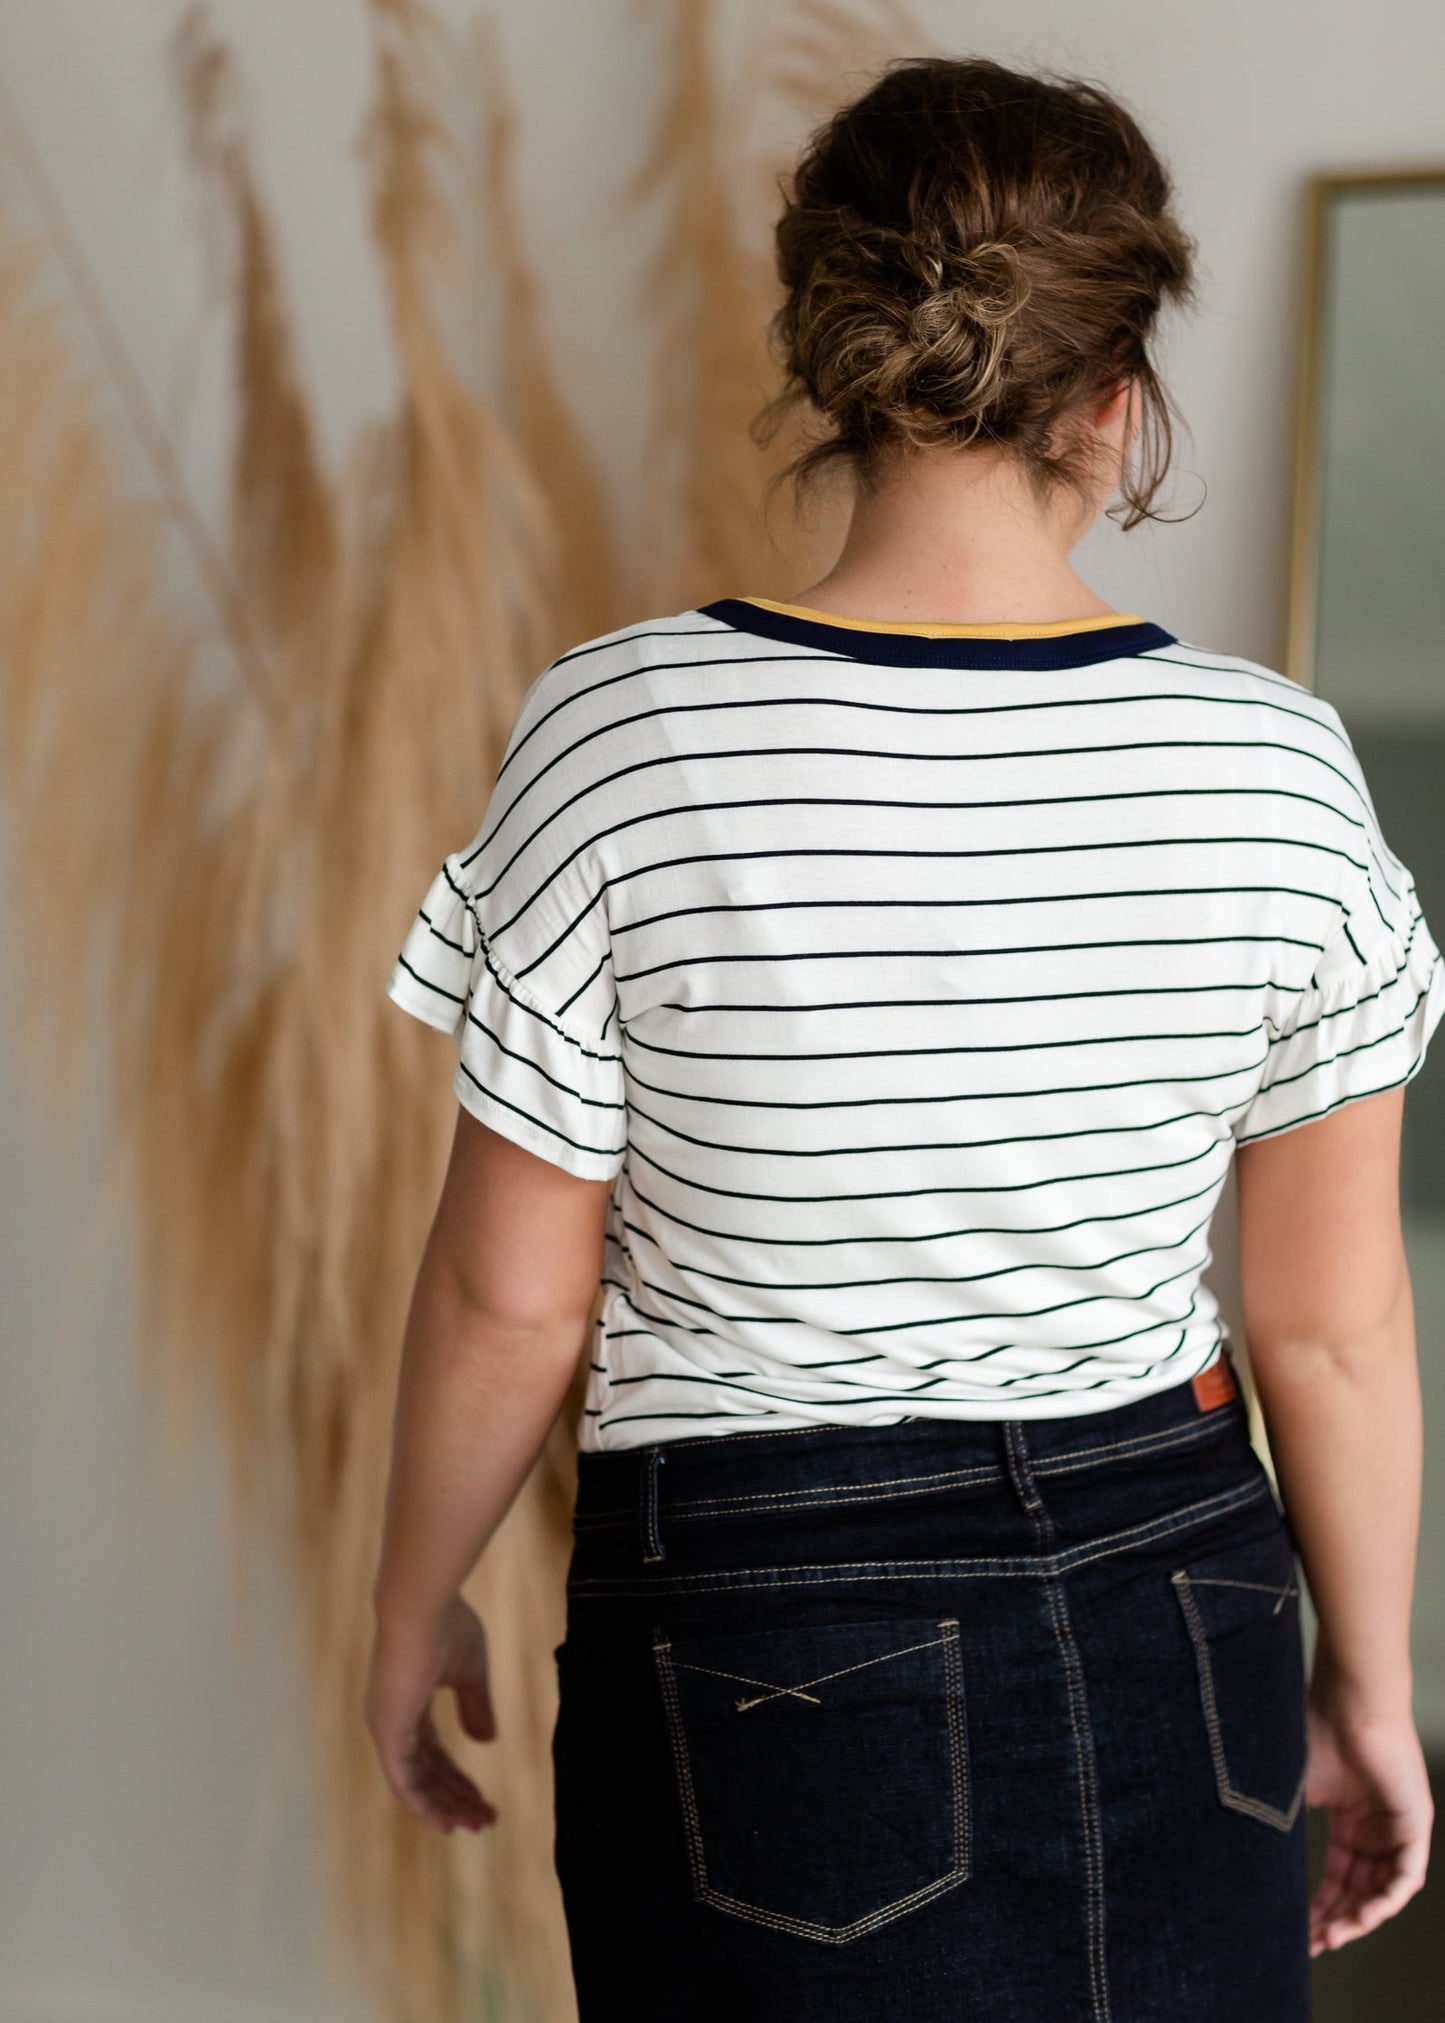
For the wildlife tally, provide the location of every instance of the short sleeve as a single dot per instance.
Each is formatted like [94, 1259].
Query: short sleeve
[510, 953]
[1364, 1021]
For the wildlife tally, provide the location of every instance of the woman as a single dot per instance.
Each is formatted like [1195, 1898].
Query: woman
[873, 990]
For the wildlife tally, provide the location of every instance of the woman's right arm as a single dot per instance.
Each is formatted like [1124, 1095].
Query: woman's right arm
[1329, 1323]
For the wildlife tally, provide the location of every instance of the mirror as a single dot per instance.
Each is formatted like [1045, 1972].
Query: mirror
[1367, 631]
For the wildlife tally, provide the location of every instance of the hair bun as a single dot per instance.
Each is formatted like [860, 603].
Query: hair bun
[989, 286]
[968, 252]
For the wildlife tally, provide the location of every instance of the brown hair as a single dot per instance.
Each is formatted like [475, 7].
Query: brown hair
[969, 252]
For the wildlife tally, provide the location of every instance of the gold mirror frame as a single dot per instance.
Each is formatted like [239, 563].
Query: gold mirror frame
[1303, 601]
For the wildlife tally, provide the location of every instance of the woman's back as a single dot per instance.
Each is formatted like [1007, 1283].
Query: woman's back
[937, 975]
[903, 991]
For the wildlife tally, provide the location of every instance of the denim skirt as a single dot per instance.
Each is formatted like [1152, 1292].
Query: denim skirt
[991, 1722]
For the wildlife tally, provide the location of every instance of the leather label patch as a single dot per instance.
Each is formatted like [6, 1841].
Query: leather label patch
[1215, 1386]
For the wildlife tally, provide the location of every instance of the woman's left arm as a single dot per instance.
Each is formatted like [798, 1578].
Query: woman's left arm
[497, 1321]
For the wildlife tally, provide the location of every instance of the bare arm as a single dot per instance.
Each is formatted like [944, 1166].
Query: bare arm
[497, 1321]
[1329, 1322]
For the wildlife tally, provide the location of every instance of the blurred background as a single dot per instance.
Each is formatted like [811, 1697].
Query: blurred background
[175, 1839]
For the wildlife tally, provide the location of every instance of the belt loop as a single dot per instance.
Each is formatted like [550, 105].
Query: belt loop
[652, 1548]
[1025, 1486]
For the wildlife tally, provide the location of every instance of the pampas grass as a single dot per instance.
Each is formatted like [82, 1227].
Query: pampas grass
[224, 809]
[711, 287]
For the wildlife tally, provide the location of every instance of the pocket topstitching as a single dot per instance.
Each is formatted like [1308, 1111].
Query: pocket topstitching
[821, 1771]
[1241, 1608]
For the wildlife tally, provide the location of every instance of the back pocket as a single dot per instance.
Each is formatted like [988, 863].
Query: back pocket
[822, 1772]
[1242, 1610]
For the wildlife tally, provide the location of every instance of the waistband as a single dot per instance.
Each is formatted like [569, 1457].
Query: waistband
[724, 1469]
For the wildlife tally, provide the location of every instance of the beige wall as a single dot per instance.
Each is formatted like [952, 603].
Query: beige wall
[141, 1876]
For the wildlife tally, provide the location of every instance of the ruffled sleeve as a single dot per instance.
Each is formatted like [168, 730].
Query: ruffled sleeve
[1364, 1021]
[510, 951]
[520, 1068]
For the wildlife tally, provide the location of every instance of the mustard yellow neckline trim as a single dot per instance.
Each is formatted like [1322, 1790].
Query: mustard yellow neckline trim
[1050, 629]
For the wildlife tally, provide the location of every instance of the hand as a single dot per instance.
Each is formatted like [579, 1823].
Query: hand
[1370, 1774]
[407, 1667]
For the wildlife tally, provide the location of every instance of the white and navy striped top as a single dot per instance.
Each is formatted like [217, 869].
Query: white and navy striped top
[912, 987]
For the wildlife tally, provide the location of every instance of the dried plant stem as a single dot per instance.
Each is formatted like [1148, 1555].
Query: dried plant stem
[130, 388]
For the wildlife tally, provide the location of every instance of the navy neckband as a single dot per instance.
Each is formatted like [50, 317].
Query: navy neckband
[911, 649]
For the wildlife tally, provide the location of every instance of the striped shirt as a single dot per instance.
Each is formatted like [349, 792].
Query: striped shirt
[912, 987]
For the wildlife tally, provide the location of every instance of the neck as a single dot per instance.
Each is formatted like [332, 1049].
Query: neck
[957, 537]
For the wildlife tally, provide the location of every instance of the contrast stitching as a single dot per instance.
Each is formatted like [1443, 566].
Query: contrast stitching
[833, 1935]
[845, 1572]
[806, 1928]
[1142, 1443]
[723, 1440]
[773, 1691]
[1043, 1530]
[1020, 1475]
[825, 1497]
[1088, 1794]
[1069, 1458]
[652, 1548]
[839, 1492]
[662, 1652]
[711, 1440]
[962, 1825]
[1282, 1594]
[1271, 1815]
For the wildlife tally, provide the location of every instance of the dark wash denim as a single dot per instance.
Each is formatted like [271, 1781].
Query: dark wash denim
[993, 1722]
